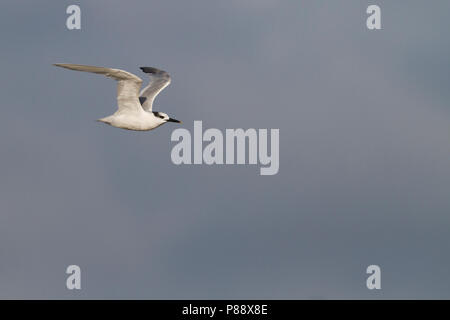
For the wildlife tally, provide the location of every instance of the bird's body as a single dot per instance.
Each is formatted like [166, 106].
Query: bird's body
[139, 121]
[134, 108]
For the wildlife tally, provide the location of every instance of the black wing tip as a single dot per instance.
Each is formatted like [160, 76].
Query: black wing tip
[152, 70]
[142, 100]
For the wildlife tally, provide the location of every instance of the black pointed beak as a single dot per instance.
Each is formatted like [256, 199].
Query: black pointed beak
[173, 120]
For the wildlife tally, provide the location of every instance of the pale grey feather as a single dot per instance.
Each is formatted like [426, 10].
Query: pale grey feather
[128, 85]
[159, 79]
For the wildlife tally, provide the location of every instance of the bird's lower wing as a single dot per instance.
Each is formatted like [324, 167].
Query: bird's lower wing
[159, 79]
[127, 87]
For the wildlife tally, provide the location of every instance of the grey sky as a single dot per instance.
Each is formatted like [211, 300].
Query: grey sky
[364, 174]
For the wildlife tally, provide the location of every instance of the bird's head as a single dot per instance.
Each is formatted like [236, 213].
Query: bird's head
[164, 117]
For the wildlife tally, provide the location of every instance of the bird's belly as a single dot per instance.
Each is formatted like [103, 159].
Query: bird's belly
[132, 122]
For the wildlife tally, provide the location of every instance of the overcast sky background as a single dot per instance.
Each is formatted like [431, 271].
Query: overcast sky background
[364, 178]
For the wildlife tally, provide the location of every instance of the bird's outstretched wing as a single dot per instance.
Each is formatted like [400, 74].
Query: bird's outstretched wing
[128, 84]
[159, 79]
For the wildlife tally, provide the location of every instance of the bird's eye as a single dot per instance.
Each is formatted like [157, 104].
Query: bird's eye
[161, 117]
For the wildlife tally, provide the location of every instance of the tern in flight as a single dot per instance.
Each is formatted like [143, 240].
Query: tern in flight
[134, 108]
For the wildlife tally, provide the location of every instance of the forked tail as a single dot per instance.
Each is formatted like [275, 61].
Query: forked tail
[104, 120]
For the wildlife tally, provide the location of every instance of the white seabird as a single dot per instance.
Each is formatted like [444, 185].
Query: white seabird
[134, 110]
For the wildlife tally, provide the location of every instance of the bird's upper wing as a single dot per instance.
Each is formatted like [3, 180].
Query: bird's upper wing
[127, 87]
[159, 79]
